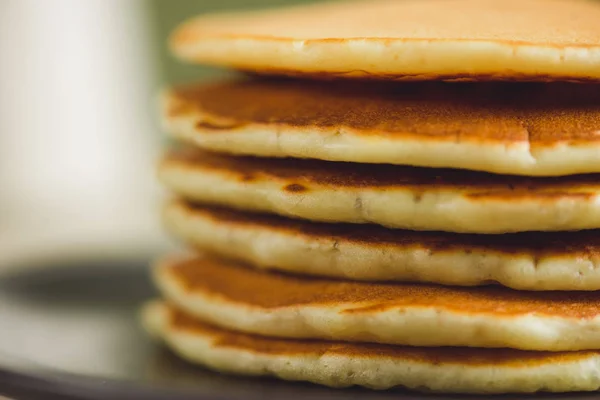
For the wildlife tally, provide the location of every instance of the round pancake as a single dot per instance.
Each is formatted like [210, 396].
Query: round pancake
[408, 40]
[521, 129]
[245, 299]
[392, 196]
[376, 366]
[525, 261]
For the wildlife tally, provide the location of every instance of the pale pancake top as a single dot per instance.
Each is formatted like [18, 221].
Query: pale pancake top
[270, 290]
[413, 39]
[392, 196]
[526, 129]
[343, 364]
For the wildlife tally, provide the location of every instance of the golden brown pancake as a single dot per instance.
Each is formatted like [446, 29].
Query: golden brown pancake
[523, 129]
[377, 366]
[393, 196]
[540, 40]
[245, 299]
[526, 261]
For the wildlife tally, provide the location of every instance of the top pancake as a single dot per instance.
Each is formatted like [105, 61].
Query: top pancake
[523, 129]
[410, 40]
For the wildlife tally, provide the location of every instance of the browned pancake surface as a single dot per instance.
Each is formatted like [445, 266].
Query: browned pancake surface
[541, 114]
[442, 355]
[297, 176]
[507, 76]
[584, 245]
[270, 290]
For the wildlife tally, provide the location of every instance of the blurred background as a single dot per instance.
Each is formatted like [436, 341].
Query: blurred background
[79, 136]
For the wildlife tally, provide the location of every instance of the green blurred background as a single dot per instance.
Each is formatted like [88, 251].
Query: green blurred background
[166, 15]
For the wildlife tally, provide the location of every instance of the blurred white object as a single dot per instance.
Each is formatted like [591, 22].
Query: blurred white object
[77, 134]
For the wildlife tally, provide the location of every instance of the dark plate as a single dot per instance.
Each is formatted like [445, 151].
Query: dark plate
[72, 332]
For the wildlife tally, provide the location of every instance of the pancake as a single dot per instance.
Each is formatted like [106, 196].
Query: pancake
[376, 366]
[521, 129]
[525, 261]
[245, 299]
[408, 40]
[393, 196]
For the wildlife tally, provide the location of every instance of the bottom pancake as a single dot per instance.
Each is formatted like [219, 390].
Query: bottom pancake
[339, 364]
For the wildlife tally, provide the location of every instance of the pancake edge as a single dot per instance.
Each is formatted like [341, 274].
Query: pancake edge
[288, 248]
[421, 58]
[576, 373]
[401, 325]
[349, 145]
[432, 210]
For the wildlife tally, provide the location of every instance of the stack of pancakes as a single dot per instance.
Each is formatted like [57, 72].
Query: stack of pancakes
[397, 231]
